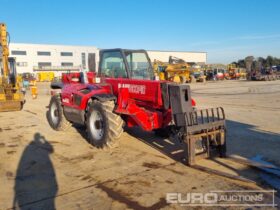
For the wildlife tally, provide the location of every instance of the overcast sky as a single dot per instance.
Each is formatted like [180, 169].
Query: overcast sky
[226, 29]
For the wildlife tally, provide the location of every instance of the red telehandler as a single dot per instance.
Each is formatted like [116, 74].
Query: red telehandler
[124, 92]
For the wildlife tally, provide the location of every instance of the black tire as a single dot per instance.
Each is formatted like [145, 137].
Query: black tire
[21, 105]
[104, 127]
[55, 115]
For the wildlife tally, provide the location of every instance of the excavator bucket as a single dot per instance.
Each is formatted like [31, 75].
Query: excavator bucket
[10, 101]
[203, 132]
[6, 106]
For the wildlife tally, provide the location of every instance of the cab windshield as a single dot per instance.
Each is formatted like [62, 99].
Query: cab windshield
[139, 65]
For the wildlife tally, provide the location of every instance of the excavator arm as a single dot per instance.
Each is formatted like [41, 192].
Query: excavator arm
[11, 97]
[4, 49]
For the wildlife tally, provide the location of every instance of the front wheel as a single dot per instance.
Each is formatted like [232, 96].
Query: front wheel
[104, 127]
[55, 115]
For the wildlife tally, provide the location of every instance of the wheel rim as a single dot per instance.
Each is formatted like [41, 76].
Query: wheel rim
[54, 113]
[96, 122]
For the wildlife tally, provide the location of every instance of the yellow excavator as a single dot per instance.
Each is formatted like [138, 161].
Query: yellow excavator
[175, 70]
[236, 73]
[11, 96]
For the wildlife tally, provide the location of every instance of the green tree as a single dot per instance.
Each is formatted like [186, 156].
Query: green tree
[269, 61]
[276, 61]
[249, 62]
[262, 61]
[241, 63]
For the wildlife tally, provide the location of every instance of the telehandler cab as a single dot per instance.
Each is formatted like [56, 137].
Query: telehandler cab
[124, 92]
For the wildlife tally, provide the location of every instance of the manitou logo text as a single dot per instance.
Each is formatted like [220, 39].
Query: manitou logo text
[137, 89]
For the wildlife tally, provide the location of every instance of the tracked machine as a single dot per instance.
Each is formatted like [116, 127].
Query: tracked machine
[11, 97]
[124, 92]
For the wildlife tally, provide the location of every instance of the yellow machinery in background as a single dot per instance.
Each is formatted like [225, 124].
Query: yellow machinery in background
[28, 79]
[173, 71]
[159, 69]
[236, 73]
[11, 97]
[178, 70]
[243, 73]
[45, 76]
[197, 74]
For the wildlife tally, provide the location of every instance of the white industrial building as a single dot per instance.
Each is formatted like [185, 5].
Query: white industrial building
[30, 57]
[59, 58]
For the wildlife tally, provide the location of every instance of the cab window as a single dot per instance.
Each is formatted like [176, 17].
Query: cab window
[112, 65]
[139, 65]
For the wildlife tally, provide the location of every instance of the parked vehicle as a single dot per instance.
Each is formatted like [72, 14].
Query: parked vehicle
[124, 93]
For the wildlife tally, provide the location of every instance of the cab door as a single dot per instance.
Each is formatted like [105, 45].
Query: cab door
[132, 70]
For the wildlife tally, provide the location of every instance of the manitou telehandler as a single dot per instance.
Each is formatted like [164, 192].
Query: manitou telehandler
[124, 92]
[11, 97]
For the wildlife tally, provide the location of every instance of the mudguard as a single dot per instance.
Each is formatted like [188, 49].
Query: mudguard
[104, 97]
[56, 85]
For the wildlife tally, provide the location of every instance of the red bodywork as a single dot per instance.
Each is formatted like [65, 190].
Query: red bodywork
[139, 102]
[220, 76]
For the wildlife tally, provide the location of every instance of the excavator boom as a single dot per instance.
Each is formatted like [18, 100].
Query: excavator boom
[11, 97]
[5, 49]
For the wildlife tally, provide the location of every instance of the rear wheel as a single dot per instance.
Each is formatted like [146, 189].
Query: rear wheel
[56, 116]
[104, 127]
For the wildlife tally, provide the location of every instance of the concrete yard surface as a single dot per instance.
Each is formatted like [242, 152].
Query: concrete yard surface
[44, 169]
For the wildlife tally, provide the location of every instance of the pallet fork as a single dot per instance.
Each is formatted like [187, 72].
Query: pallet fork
[203, 132]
